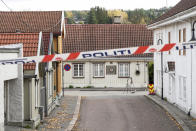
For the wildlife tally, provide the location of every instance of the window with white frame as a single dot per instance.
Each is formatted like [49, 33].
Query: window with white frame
[124, 70]
[98, 70]
[78, 70]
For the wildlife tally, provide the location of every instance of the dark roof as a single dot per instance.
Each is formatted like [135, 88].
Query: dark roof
[30, 21]
[89, 37]
[29, 41]
[183, 5]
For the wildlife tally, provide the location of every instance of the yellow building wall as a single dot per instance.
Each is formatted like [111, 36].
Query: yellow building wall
[59, 91]
[57, 41]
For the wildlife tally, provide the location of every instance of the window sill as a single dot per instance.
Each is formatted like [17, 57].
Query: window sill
[98, 77]
[75, 77]
[124, 77]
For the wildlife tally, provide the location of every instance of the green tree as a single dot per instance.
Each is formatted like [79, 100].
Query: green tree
[92, 17]
[101, 15]
[98, 15]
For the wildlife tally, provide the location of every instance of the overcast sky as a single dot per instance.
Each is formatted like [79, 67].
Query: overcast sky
[27, 5]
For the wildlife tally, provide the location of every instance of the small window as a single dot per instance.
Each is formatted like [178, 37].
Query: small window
[179, 36]
[98, 70]
[124, 70]
[78, 70]
[184, 35]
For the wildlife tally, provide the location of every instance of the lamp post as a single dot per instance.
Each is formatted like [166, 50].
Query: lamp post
[161, 42]
[193, 32]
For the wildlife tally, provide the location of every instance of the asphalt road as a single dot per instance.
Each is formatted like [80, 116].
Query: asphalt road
[123, 113]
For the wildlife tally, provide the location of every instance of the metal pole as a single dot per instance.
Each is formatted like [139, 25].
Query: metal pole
[162, 75]
[161, 69]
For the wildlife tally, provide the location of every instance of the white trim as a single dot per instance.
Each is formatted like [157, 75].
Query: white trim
[78, 76]
[38, 52]
[123, 73]
[63, 24]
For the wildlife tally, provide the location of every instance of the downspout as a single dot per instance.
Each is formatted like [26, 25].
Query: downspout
[192, 39]
[189, 113]
[162, 75]
[160, 40]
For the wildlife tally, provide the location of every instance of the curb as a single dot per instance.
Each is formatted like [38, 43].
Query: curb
[103, 89]
[75, 116]
[173, 114]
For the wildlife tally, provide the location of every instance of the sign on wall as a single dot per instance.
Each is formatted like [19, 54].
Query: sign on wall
[111, 70]
[67, 67]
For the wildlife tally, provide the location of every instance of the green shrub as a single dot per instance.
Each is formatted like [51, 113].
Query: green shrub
[71, 86]
[88, 87]
[105, 86]
[78, 87]
[151, 72]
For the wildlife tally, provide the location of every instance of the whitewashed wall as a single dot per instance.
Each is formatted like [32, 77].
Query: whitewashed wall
[14, 75]
[109, 80]
[183, 68]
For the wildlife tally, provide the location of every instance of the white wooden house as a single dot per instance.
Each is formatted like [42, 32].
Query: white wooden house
[178, 67]
[110, 71]
[11, 86]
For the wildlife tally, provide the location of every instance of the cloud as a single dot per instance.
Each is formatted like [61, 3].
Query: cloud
[84, 4]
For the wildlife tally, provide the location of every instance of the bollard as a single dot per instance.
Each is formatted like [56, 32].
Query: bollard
[151, 89]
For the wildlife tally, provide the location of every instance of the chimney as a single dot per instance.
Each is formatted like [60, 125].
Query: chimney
[66, 20]
[117, 20]
[18, 31]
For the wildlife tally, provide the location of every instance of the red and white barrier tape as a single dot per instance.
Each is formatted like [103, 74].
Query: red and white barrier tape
[92, 54]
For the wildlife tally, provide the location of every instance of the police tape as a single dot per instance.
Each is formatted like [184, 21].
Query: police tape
[95, 54]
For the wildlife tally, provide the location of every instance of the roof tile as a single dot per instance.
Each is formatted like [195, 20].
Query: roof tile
[30, 21]
[90, 37]
[30, 44]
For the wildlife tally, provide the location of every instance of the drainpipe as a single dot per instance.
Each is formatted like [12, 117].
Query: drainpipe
[192, 39]
[189, 113]
[160, 40]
